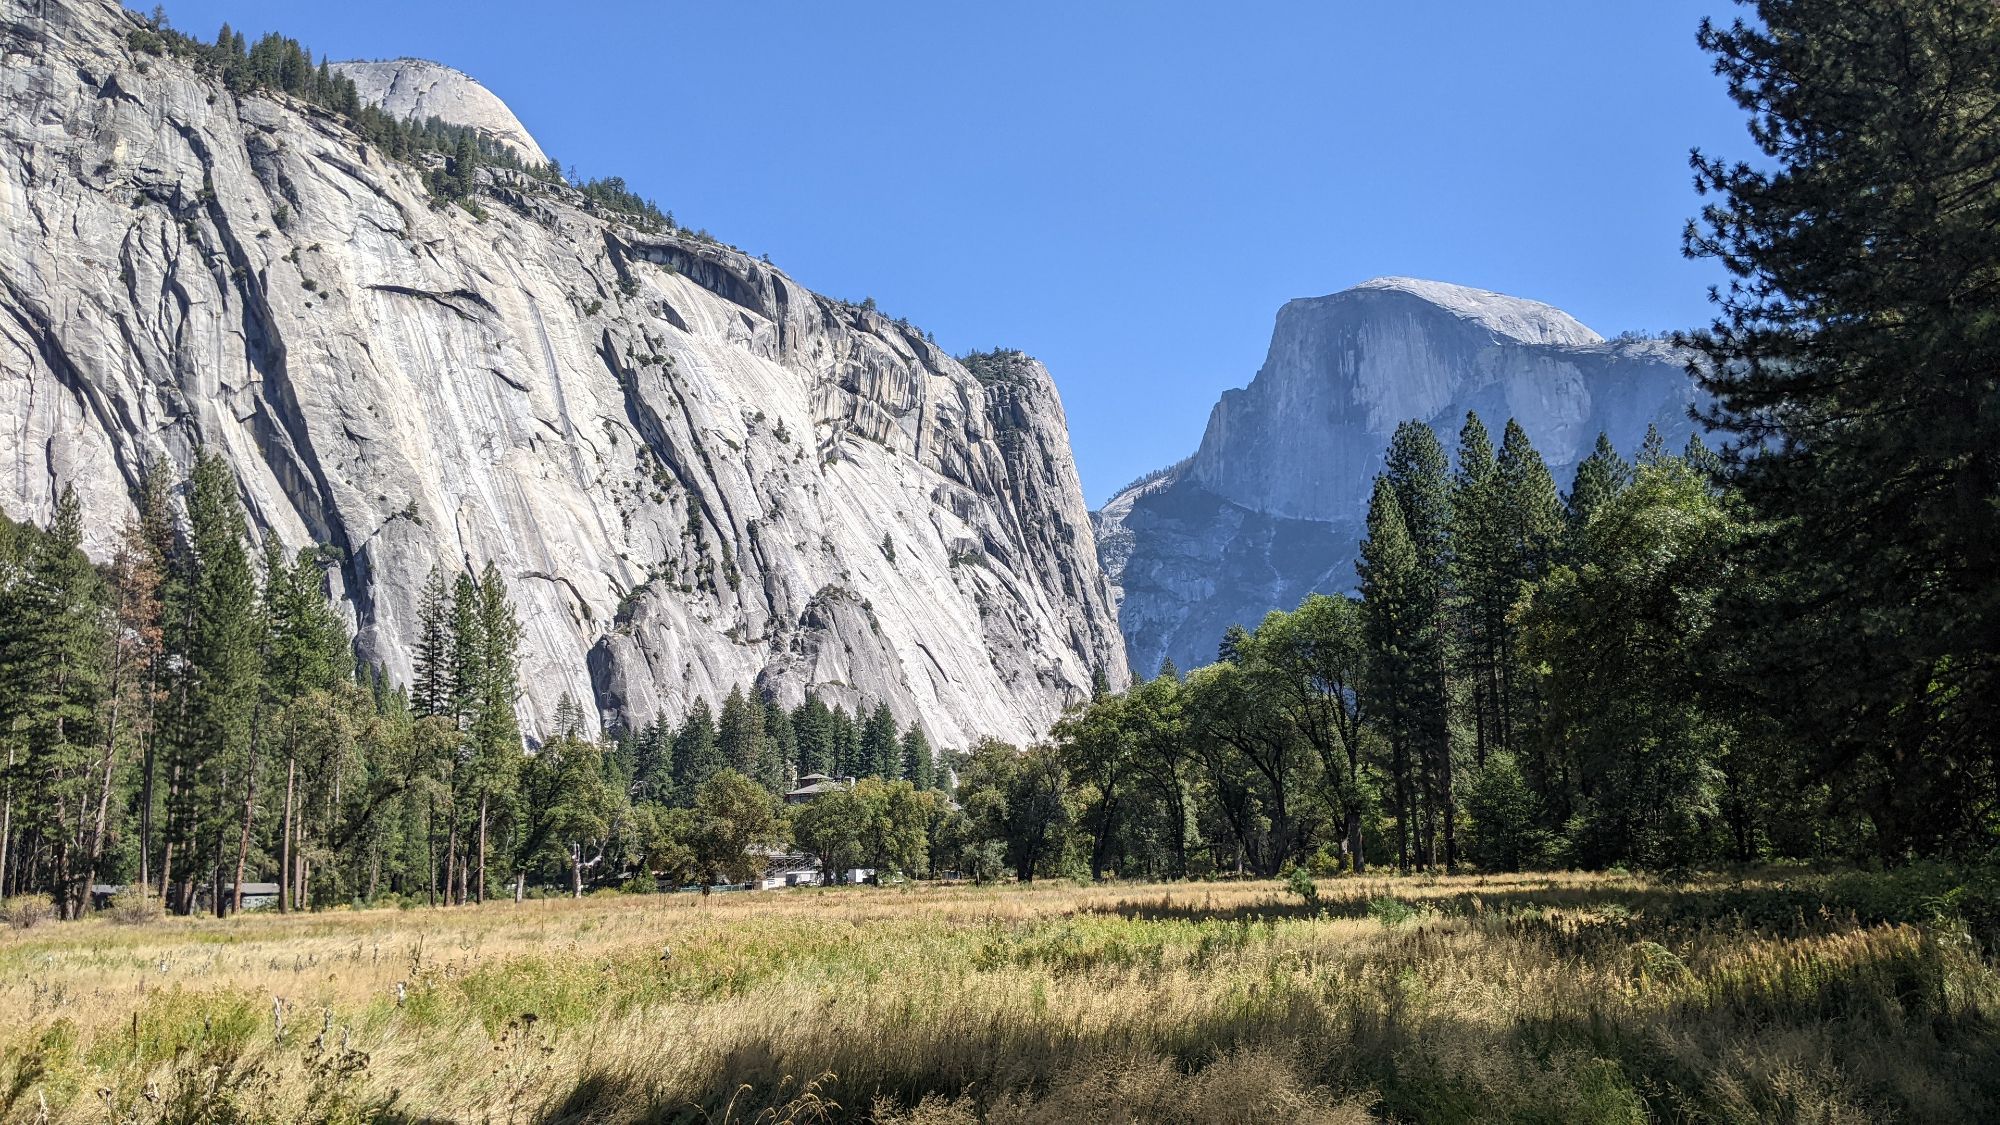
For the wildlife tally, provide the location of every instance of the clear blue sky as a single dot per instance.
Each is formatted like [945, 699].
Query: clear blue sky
[1127, 190]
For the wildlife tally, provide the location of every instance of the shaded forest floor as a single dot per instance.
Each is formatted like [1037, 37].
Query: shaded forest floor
[1549, 998]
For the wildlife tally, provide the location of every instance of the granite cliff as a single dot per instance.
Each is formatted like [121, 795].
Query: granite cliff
[1270, 508]
[414, 89]
[694, 472]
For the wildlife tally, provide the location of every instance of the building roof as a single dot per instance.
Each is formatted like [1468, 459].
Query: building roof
[816, 789]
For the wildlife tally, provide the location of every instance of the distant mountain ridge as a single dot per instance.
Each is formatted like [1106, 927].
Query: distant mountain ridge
[1270, 507]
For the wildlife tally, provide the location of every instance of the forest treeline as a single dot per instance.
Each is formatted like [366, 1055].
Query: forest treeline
[1519, 683]
[189, 717]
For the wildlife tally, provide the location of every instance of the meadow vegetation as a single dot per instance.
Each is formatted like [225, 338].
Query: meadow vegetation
[1605, 997]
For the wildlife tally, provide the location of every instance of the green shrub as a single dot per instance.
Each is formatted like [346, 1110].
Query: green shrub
[1301, 884]
[25, 912]
[132, 906]
[1391, 911]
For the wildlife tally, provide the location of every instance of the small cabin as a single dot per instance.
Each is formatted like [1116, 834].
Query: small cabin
[814, 785]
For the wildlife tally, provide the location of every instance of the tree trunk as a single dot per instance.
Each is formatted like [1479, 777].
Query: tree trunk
[1178, 805]
[286, 884]
[1403, 810]
[479, 894]
[146, 815]
[1100, 850]
[103, 809]
[576, 870]
[430, 851]
[243, 841]
[1450, 814]
[146, 771]
[451, 879]
[299, 900]
[167, 849]
[520, 879]
[1354, 841]
[1479, 705]
[7, 821]
[166, 873]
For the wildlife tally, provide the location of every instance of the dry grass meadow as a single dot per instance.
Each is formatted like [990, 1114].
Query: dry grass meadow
[1564, 998]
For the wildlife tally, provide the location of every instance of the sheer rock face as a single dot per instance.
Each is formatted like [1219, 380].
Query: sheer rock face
[693, 472]
[1272, 505]
[415, 89]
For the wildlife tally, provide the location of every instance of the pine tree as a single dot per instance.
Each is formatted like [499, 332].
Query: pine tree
[739, 733]
[1415, 468]
[133, 651]
[1599, 478]
[494, 769]
[468, 653]
[653, 764]
[1704, 461]
[1398, 640]
[1531, 520]
[843, 744]
[431, 693]
[1652, 447]
[55, 659]
[217, 642]
[1852, 365]
[919, 763]
[156, 531]
[305, 653]
[812, 728]
[781, 752]
[696, 758]
[881, 752]
[1480, 597]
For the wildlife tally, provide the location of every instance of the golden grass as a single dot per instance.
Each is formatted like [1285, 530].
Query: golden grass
[1526, 998]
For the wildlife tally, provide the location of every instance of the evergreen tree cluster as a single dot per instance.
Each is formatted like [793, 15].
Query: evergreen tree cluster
[760, 740]
[186, 717]
[451, 154]
[189, 718]
[1855, 366]
[1519, 683]
[610, 193]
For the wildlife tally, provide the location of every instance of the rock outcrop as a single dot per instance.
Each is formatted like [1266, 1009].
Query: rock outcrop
[693, 472]
[1271, 507]
[414, 89]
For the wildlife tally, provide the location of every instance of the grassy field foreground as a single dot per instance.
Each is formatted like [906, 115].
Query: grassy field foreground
[1528, 998]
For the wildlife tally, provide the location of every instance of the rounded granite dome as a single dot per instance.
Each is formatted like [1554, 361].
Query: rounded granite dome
[414, 89]
[1530, 322]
